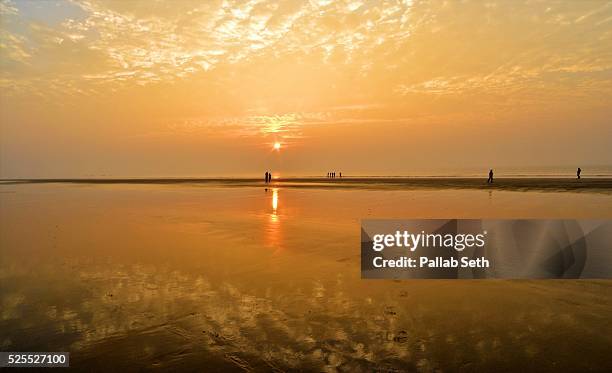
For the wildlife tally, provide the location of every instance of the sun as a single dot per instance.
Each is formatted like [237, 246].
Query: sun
[277, 145]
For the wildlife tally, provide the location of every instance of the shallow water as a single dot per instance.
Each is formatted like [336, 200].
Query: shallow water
[211, 278]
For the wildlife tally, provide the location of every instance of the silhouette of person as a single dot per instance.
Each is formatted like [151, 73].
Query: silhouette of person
[578, 172]
[490, 179]
[266, 176]
[269, 176]
[340, 174]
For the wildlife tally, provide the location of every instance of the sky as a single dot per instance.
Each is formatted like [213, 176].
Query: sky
[205, 88]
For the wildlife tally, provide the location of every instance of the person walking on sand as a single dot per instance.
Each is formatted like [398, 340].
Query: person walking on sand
[490, 179]
[578, 171]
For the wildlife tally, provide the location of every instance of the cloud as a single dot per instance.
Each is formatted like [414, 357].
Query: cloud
[7, 8]
[292, 57]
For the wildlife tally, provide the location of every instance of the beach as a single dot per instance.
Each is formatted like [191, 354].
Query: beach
[546, 184]
[235, 275]
[306, 186]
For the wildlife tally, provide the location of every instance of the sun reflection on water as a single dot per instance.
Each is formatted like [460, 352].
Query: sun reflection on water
[274, 200]
[273, 229]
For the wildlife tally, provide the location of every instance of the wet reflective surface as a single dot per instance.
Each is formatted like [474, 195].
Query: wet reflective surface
[209, 278]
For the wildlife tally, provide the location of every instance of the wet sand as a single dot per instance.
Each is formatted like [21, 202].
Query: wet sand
[550, 184]
[214, 277]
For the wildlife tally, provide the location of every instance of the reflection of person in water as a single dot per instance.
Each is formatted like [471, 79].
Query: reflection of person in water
[578, 171]
[490, 179]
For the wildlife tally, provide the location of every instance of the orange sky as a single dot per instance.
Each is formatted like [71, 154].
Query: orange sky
[181, 88]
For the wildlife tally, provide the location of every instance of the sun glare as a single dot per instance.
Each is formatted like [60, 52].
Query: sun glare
[277, 145]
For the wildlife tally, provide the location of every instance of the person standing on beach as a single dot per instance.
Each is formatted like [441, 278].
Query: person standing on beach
[266, 177]
[269, 177]
[490, 179]
[578, 173]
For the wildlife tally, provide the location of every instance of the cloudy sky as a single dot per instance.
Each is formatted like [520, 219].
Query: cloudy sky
[205, 88]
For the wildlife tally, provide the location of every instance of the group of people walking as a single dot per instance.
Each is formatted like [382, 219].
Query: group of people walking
[490, 179]
[268, 175]
[332, 174]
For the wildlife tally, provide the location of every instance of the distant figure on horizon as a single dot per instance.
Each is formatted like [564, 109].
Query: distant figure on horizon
[490, 179]
[266, 176]
[340, 174]
[269, 177]
[578, 171]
